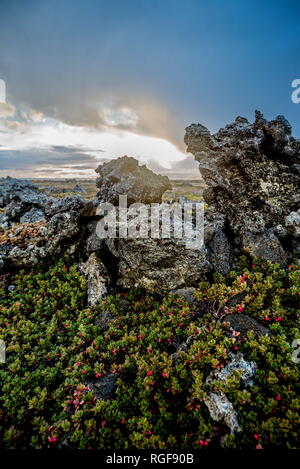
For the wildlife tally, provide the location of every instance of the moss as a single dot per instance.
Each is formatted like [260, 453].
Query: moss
[21, 234]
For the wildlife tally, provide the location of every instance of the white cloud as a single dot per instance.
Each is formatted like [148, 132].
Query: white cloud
[119, 117]
[25, 130]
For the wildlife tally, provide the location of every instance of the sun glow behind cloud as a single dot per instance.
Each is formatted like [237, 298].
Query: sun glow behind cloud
[28, 130]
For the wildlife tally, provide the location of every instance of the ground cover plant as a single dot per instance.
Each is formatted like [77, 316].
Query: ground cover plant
[57, 351]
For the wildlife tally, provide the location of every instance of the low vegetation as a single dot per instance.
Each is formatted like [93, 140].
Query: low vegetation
[22, 234]
[56, 353]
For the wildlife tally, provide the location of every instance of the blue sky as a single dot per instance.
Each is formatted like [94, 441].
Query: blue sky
[145, 67]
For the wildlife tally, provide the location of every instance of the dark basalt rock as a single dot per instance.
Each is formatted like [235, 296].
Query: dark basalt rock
[252, 175]
[19, 197]
[243, 323]
[103, 388]
[19, 190]
[124, 176]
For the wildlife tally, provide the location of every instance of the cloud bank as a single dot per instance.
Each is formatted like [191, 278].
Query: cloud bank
[35, 145]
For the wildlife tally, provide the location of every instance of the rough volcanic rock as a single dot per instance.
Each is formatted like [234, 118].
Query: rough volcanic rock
[220, 408]
[124, 176]
[158, 264]
[19, 197]
[243, 323]
[32, 216]
[20, 190]
[93, 242]
[103, 388]
[237, 363]
[221, 252]
[292, 224]
[98, 278]
[252, 175]
[75, 204]
[28, 257]
[59, 228]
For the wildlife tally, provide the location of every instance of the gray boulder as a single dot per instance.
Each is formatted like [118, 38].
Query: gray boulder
[104, 387]
[18, 189]
[124, 176]
[243, 324]
[34, 215]
[158, 264]
[98, 278]
[219, 407]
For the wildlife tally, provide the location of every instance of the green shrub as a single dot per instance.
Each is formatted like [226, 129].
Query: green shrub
[54, 349]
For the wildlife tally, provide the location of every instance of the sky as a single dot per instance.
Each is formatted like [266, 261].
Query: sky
[91, 80]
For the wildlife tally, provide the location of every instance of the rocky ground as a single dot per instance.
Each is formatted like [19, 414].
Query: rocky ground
[252, 192]
[252, 209]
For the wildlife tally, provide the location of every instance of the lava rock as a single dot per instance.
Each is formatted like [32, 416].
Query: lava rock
[124, 176]
[98, 278]
[158, 264]
[243, 323]
[252, 178]
[18, 189]
[219, 407]
[32, 216]
[104, 387]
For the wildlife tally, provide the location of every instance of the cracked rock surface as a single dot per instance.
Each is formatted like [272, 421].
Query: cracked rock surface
[252, 174]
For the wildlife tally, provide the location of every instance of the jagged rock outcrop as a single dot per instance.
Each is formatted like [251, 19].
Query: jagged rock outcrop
[252, 173]
[20, 198]
[152, 264]
[38, 227]
[19, 190]
[103, 388]
[32, 216]
[252, 176]
[124, 176]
